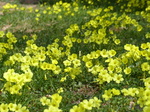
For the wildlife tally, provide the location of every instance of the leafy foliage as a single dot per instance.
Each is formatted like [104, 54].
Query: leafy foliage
[75, 57]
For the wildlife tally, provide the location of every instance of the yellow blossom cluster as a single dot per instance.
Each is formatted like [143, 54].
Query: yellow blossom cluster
[53, 103]
[9, 6]
[94, 49]
[13, 107]
[86, 105]
[7, 42]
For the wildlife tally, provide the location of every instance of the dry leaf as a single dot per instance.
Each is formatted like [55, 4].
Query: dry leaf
[6, 27]
[1, 13]
[117, 29]
[2, 3]
[132, 104]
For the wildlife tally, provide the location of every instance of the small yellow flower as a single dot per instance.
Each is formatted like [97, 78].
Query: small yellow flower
[112, 52]
[117, 41]
[146, 109]
[63, 79]
[107, 95]
[145, 66]
[37, 19]
[3, 107]
[67, 63]
[115, 91]
[2, 33]
[127, 70]
[104, 53]
[89, 64]
[118, 78]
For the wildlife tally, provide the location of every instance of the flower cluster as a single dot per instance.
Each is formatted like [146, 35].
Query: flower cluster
[101, 49]
[53, 103]
[13, 107]
[86, 105]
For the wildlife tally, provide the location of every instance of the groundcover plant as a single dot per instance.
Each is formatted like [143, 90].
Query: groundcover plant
[75, 57]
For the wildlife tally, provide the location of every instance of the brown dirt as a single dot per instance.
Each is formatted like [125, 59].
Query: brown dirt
[2, 4]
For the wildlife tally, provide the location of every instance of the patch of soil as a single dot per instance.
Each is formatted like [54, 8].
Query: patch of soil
[29, 1]
[29, 5]
[2, 4]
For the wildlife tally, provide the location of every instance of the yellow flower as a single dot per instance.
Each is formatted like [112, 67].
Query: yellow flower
[107, 95]
[125, 92]
[124, 60]
[54, 62]
[118, 78]
[60, 90]
[145, 66]
[111, 68]
[134, 91]
[24, 109]
[77, 109]
[52, 109]
[72, 57]
[2, 33]
[96, 102]
[34, 47]
[62, 79]
[76, 63]
[79, 40]
[141, 101]
[38, 15]
[114, 62]
[85, 41]
[53, 67]
[15, 89]
[56, 99]
[45, 101]
[44, 12]
[147, 35]
[41, 57]
[29, 42]
[146, 94]
[57, 70]
[36, 10]
[12, 106]
[73, 39]
[59, 16]
[89, 64]
[3, 107]
[68, 69]
[12, 40]
[87, 104]
[146, 109]
[85, 58]
[67, 63]
[130, 91]
[112, 52]
[127, 70]
[37, 19]
[147, 82]
[18, 108]
[127, 47]
[27, 77]
[144, 46]
[34, 62]
[90, 56]
[104, 53]
[117, 41]
[139, 28]
[115, 91]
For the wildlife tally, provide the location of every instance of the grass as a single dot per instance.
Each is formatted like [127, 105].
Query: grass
[86, 51]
